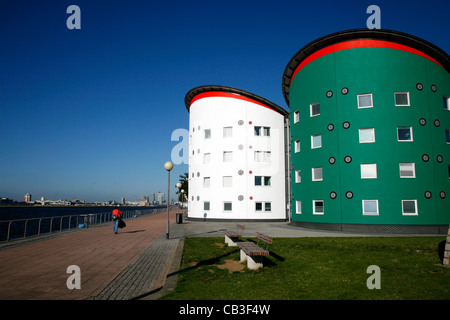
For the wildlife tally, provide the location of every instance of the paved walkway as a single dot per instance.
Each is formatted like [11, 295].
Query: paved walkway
[134, 264]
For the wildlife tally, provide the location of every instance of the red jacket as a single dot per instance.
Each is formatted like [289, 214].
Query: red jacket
[117, 212]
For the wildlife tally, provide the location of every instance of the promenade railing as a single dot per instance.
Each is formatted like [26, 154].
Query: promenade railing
[23, 228]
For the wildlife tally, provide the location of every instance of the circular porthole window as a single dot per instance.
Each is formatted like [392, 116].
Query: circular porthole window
[240, 147]
[440, 158]
[427, 194]
[437, 123]
[330, 127]
[240, 122]
[241, 172]
[349, 194]
[198, 174]
[419, 86]
[433, 88]
[241, 197]
[344, 91]
[422, 122]
[348, 159]
[425, 158]
[332, 160]
[333, 195]
[442, 194]
[346, 125]
[329, 94]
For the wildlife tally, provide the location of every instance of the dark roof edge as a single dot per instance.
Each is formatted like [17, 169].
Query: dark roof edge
[214, 88]
[382, 34]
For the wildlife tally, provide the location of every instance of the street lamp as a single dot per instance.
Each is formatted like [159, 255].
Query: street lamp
[182, 200]
[168, 166]
[178, 185]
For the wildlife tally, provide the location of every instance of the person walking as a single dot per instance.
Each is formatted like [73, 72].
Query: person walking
[116, 216]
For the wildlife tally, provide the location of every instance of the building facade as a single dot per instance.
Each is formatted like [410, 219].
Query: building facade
[370, 133]
[236, 155]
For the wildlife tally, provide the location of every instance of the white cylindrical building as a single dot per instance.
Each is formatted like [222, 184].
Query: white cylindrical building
[237, 168]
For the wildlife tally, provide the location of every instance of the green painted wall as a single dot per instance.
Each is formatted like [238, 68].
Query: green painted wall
[382, 72]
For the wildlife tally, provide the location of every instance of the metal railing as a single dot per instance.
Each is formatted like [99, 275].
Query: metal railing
[22, 228]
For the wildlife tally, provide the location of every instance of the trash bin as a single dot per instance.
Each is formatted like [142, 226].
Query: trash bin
[179, 218]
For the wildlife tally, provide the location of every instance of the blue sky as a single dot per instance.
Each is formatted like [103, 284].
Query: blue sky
[89, 113]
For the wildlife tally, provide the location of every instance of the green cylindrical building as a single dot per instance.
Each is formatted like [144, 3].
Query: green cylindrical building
[370, 133]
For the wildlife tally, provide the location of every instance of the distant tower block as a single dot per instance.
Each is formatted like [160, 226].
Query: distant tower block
[369, 125]
[236, 155]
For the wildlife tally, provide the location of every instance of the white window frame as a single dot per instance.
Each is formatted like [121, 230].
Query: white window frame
[207, 134]
[371, 166]
[266, 131]
[413, 170]
[298, 207]
[257, 130]
[410, 130]
[227, 202]
[370, 213]
[365, 94]
[446, 103]
[312, 141]
[314, 174]
[369, 141]
[227, 156]
[401, 105]
[447, 136]
[206, 182]
[314, 207]
[416, 213]
[227, 132]
[298, 176]
[206, 158]
[209, 205]
[311, 109]
[227, 181]
[297, 146]
[263, 206]
[296, 116]
[263, 181]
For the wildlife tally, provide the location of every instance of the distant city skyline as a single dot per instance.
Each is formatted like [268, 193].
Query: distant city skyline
[89, 113]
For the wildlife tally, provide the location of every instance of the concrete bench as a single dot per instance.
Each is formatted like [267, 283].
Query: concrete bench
[232, 236]
[253, 253]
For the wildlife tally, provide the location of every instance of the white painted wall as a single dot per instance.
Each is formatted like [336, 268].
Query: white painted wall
[215, 113]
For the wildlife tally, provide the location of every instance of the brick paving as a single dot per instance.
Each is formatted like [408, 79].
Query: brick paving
[38, 270]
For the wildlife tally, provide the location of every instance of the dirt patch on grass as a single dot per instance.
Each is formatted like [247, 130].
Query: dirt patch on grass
[220, 245]
[232, 266]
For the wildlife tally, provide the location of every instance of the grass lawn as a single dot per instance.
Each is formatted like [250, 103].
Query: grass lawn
[315, 269]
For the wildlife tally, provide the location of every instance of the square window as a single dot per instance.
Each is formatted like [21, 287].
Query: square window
[296, 116]
[446, 101]
[227, 206]
[315, 109]
[407, 170]
[257, 131]
[206, 182]
[409, 207]
[227, 182]
[227, 132]
[298, 207]
[316, 141]
[267, 131]
[365, 101]
[267, 181]
[317, 174]
[318, 207]
[268, 206]
[404, 134]
[206, 205]
[227, 156]
[298, 176]
[258, 156]
[258, 206]
[267, 156]
[370, 207]
[369, 171]
[401, 98]
[207, 133]
[297, 146]
[447, 136]
[367, 135]
[206, 158]
[258, 181]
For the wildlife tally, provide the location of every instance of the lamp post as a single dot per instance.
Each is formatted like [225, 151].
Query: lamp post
[168, 166]
[178, 185]
[182, 200]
